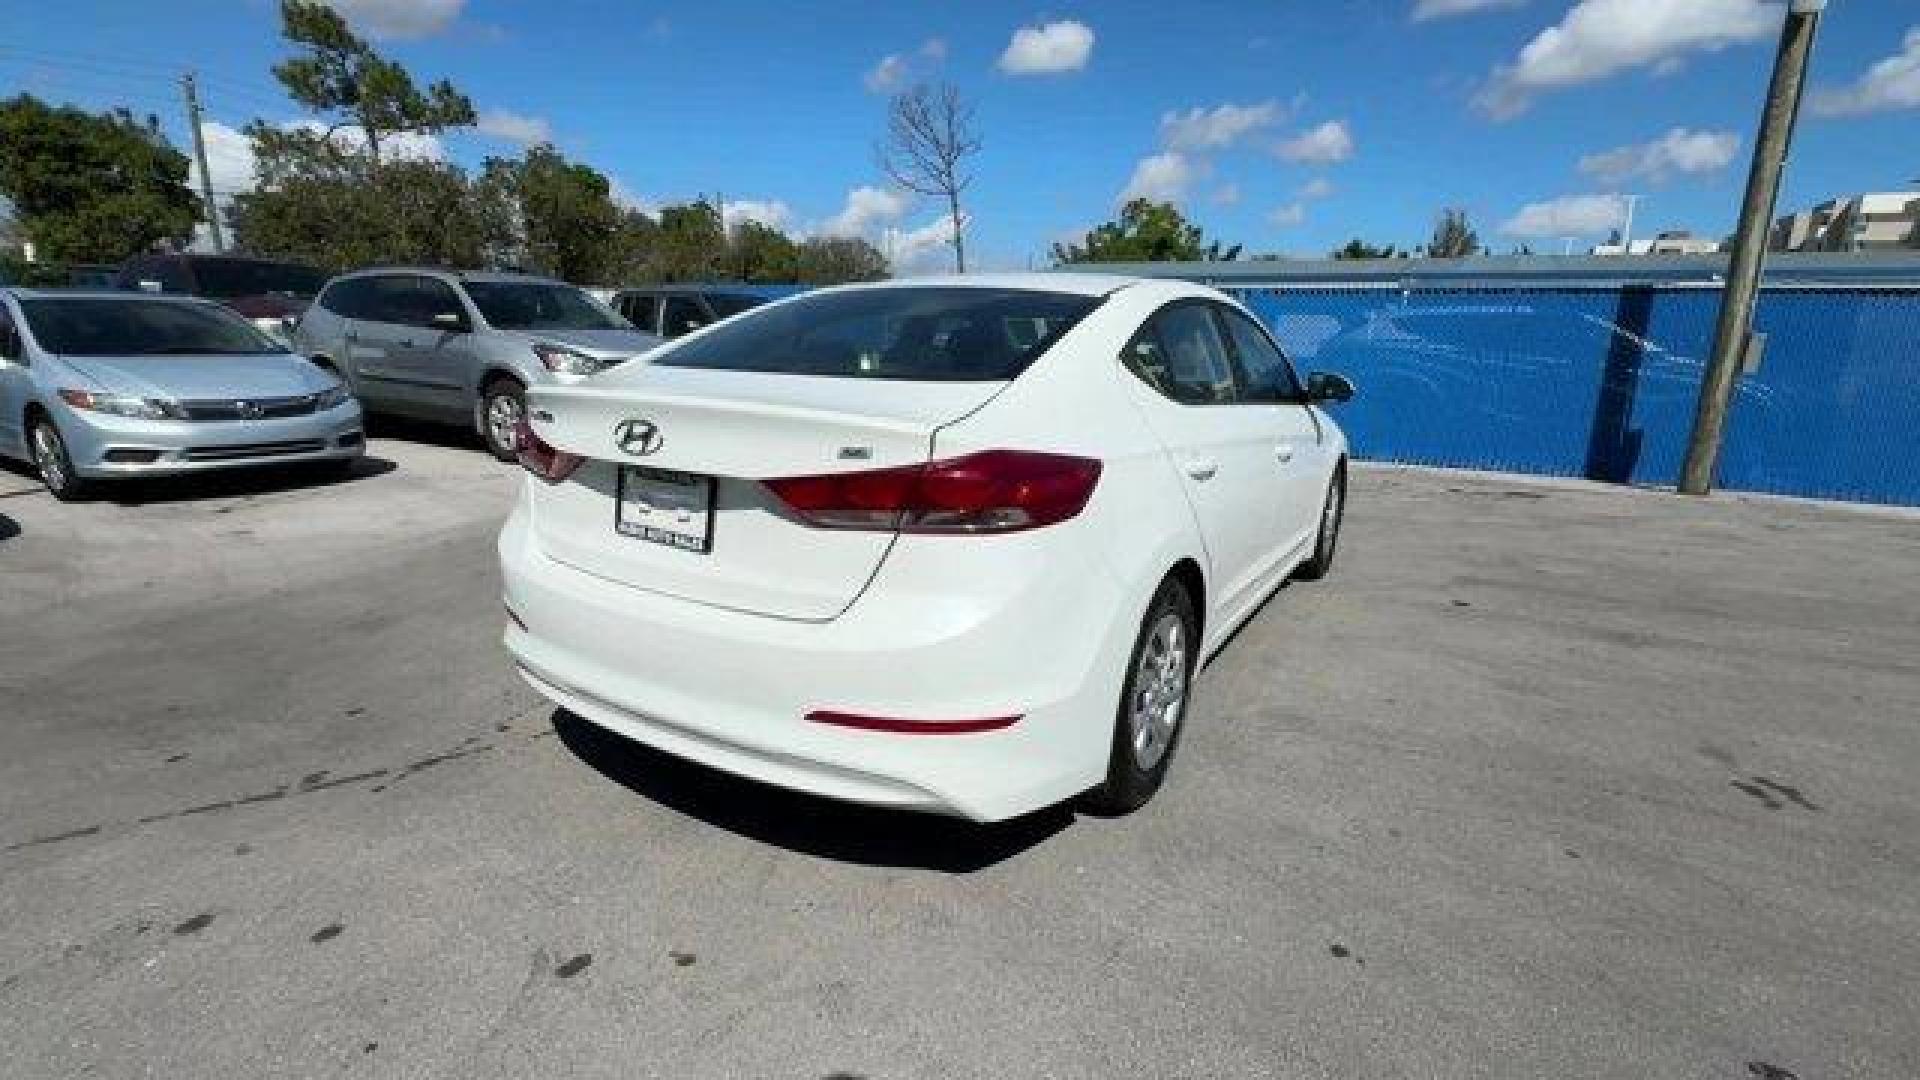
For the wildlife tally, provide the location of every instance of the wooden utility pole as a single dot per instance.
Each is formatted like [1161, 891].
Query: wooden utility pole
[200, 155]
[1733, 336]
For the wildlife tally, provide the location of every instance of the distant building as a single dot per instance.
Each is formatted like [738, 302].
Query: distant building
[1673, 242]
[1875, 221]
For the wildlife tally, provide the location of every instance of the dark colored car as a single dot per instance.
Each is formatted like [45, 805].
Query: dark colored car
[673, 311]
[266, 291]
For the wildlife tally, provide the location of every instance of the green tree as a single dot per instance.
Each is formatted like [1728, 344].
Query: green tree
[412, 211]
[1145, 232]
[561, 215]
[1360, 249]
[834, 260]
[689, 245]
[1453, 236]
[761, 253]
[341, 79]
[92, 187]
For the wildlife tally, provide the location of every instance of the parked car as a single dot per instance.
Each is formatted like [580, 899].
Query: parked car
[954, 545]
[461, 347]
[269, 293]
[673, 311]
[99, 385]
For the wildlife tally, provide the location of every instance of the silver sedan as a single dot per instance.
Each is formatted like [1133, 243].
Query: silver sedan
[112, 384]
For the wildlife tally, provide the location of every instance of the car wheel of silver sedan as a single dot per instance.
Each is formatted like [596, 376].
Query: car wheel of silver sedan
[1153, 702]
[503, 404]
[55, 465]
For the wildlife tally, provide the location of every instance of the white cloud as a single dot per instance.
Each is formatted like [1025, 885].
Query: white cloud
[229, 160]
[1163, 177]
[1424, 10]
[1317, 188]
[628, 199]
[1572, 215]
[888, 75]
[400, 18]
[896, 70]
[1598, 38]
[410, 145]
[1208, 129]
[1329, 144]
[1287, 216]
[1893, 83]
[515, 128]
[865, 208]
[1678, 151]
[772, 213]
[1225, 195]
[922, 250]
[1053, 47]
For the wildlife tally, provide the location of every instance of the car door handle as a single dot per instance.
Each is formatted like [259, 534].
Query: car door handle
[1202, 469]
[1284, 452]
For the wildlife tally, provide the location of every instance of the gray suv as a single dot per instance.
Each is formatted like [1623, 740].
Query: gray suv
[461, 347]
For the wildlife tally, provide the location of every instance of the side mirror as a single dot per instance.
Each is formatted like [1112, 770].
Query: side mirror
[450, 321]
[10, 343]
[1328, 387]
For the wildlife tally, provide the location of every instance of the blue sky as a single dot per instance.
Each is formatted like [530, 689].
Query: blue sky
[1286, 125]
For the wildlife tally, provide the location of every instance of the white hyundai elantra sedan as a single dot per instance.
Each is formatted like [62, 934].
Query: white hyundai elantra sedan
[955, 545]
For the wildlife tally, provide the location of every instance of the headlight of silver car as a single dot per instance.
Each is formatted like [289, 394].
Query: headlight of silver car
[564, 361]
[331, 398]
[139, 408]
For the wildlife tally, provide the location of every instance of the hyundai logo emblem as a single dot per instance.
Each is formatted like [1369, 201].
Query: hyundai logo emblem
[638, 437]
[248, 410]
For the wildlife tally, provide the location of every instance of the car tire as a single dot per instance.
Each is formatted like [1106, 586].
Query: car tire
[55, 464]
[503, 403]
[1332, 513]
[1153, 702]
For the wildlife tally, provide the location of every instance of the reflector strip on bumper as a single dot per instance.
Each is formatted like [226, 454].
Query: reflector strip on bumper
[900, 726]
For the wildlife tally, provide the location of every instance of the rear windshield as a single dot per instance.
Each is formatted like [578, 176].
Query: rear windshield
[230, 279]
[924, 334]
[131, 326]
[541, 305]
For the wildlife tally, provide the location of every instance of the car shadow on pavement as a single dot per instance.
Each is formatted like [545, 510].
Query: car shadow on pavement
[451, 436]
[807, 824]
[240, 483]
[8, 529]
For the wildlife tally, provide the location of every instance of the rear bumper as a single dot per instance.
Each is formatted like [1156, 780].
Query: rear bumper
[732, 690]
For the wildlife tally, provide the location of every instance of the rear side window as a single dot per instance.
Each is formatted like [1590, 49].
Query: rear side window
[1180, 353]
[683, 315]
[918, 334]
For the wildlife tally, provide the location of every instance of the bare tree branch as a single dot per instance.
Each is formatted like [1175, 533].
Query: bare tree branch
[930, 135]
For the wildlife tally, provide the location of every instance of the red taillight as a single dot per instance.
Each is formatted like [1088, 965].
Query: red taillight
[541, 459]
[994, 491]
[898, 726]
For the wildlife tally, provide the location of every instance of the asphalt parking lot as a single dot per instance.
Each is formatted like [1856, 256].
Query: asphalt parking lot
[1546, 780]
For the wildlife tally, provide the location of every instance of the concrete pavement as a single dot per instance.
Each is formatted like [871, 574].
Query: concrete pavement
[1546, 780]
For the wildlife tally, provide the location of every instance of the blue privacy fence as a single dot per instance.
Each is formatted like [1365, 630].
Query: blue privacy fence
[1600, 380]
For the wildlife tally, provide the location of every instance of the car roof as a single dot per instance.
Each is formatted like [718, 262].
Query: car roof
[450, 273]
[107, 294]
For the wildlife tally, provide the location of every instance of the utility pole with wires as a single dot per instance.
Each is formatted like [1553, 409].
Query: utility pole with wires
[1733, 338]
[200, 155]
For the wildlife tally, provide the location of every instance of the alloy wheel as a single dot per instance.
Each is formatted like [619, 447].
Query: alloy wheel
[1159, 692]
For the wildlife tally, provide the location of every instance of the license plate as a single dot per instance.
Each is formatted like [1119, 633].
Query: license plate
[664, 507]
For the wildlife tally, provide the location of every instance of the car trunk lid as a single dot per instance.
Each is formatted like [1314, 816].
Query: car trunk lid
[643, 429]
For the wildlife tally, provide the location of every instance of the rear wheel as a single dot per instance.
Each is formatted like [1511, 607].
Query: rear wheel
[55, 464]
[1332, 513]
[1153, 702]
[503, 404]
